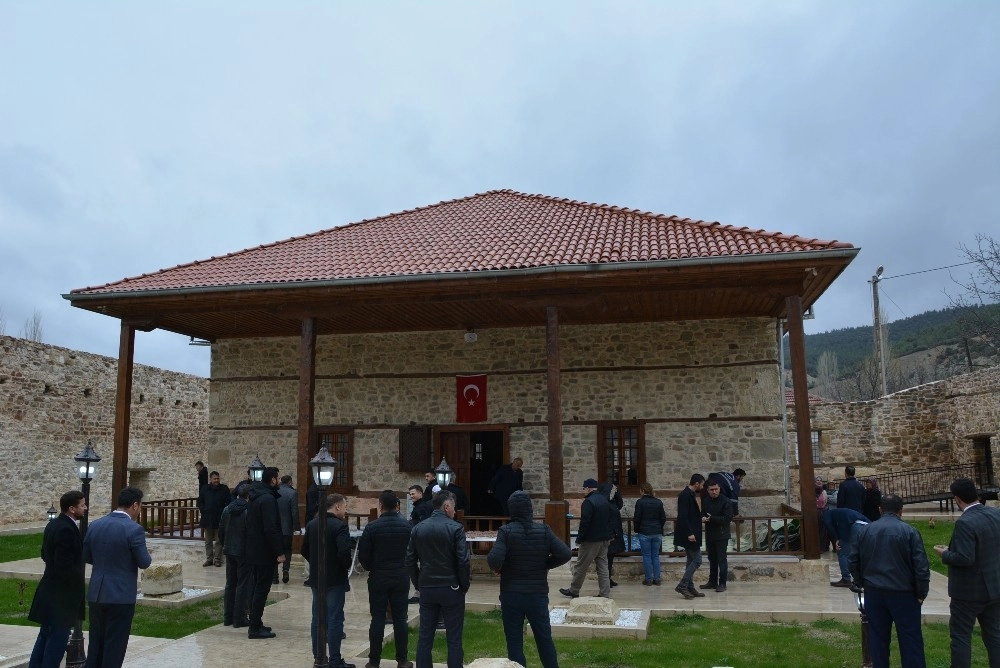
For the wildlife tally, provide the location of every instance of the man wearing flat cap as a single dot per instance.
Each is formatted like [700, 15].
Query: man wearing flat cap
[592, 541]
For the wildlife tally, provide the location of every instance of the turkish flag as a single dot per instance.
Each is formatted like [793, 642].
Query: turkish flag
[471, 397]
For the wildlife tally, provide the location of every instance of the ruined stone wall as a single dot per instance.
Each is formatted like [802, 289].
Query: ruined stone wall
[708, 391]
[927, 425]
[53, 400]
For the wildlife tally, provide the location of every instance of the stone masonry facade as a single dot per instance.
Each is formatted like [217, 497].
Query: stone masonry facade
[923, 426]
[53, 400]
[708, 393]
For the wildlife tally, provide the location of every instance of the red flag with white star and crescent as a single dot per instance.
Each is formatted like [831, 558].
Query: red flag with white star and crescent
[471, 398]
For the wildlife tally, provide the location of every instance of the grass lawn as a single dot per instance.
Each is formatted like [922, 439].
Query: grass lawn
[20, 546]
[691, 641]
[938, 535]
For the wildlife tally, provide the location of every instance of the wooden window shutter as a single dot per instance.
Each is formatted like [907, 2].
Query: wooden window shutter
[414, 449]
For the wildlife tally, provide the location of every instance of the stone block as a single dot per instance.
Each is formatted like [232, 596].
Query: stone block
[494, 663]
[165, 577]
[592, 610]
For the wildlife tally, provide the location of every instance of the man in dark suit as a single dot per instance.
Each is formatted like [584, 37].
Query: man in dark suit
[212, 500]
[116, 546]
[264, 547]
[973, 562]
[687, 534]
[60, 599]
[850, 492]
[508, 479]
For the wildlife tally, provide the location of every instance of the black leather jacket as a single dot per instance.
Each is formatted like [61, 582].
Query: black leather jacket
[438, 555]
[525, 550]
[595, 519]
[233, 528]
[382, 547]
[889, 554]
[649, 516]
[720, 517]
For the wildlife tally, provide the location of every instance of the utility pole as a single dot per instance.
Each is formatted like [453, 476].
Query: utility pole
[877, 329]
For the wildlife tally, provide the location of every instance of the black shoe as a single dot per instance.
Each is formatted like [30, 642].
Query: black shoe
[240, 625]
[842, 583]
[342, 665]
[260, 635]
[413, 599]
[284, 577]
[307, 583]
[567, 592]
[227, 623]
[683, 591]
[614, 584]
[694, 592]
[856, 589]
[720, 589]
[343, 636]
[707, 585]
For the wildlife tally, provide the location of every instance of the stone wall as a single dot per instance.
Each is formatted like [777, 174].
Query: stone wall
[927, 425]
[53, 400]
[708, 392]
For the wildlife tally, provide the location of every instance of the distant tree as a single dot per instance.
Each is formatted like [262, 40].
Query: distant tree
[982, 288]
[32, 329]
[828, 382]
[3, 322]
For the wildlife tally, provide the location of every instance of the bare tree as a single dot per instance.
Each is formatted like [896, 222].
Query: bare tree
[32, 329]
[828, 382]
[982, 288]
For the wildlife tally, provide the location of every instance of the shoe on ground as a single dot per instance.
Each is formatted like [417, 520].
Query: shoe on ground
[567, 592]
[413, 599]
[841, 583]
[686, 593]
[260, 635]
[240, 625]
[343, 636]
[284, 577]
[208, 562]
[720, 589]
[614, 584]
[404, 664]
[696, 593]
[341, 664]
[307, 583]
[218, 563]
[656, 582]
[708, 585]
[647, 583]
[225, 623]
[372, 665]
[856, 589]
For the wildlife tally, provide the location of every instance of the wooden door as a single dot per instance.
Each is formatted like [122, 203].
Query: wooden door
[455, 447]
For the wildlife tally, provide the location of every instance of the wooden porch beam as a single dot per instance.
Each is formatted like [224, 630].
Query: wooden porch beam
[306, 408]
[803, 431]
[556, 507]
[123, 410]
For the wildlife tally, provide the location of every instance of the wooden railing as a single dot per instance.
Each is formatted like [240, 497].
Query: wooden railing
[171, 518]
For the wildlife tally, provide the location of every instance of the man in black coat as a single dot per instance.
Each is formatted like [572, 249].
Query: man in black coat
[523, 554]
[338, 564]
[687, 534]
[973, 562]
[212, 500]
[422, 507]
[60, 598]
[264, 547]
[508, 479]
[382, 552]
[717, 514]
[850, 492]
[239, 574]
[592, 540]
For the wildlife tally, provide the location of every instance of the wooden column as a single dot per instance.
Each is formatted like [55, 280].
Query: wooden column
[307, 400]
[803, 433]
[557, 506]
[123, 410]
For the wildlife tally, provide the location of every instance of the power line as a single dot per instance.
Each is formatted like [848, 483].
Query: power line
[924, 271]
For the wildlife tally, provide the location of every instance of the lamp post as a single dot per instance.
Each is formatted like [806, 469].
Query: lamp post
[323, 467]
[866, 650]
[256, 469]
[444, 474]
[86, 470]
[877, 330]
[52, 513]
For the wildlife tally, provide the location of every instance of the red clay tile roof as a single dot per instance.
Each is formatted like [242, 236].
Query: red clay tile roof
[496, 230]
[813, 399]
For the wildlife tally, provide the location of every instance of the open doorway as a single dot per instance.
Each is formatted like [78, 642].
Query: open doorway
[475, 456]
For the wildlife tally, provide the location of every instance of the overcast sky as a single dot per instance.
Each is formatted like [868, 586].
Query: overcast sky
[139, 136]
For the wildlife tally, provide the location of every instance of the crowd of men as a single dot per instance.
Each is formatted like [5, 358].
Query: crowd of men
[253, 528]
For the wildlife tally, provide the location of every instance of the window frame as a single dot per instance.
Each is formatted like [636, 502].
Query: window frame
[347, 487]
[815, 439]
[603, 473]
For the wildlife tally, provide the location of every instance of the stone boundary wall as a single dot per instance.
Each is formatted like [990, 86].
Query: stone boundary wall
[53, 400]
[927, 425]
[710, 390]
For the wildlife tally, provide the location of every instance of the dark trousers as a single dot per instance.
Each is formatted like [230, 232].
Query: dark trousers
[964, 614]
[393, 590]
[261, 581]
[50, 646]
[884, 607]
[515, 607]
[236, 596]
[110, 624]
[693, 564]
[286, 549]
[335, 596]
[718, 563]
[449, 603]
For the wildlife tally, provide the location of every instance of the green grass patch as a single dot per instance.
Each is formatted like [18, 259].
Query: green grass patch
[940, 534]
[20, 546]
[692, 641]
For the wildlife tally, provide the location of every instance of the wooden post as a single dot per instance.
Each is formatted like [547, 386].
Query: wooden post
[306, 406]
[557, 506]
[809, 533]
[123, 411]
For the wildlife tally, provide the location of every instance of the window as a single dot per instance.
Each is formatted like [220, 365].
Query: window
[340, 443]
[814, 438]
[621, 452]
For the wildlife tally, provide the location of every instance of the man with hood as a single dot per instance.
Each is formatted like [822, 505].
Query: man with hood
[233, 535]
[264, 547]
[592, 539]
[523, 554]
